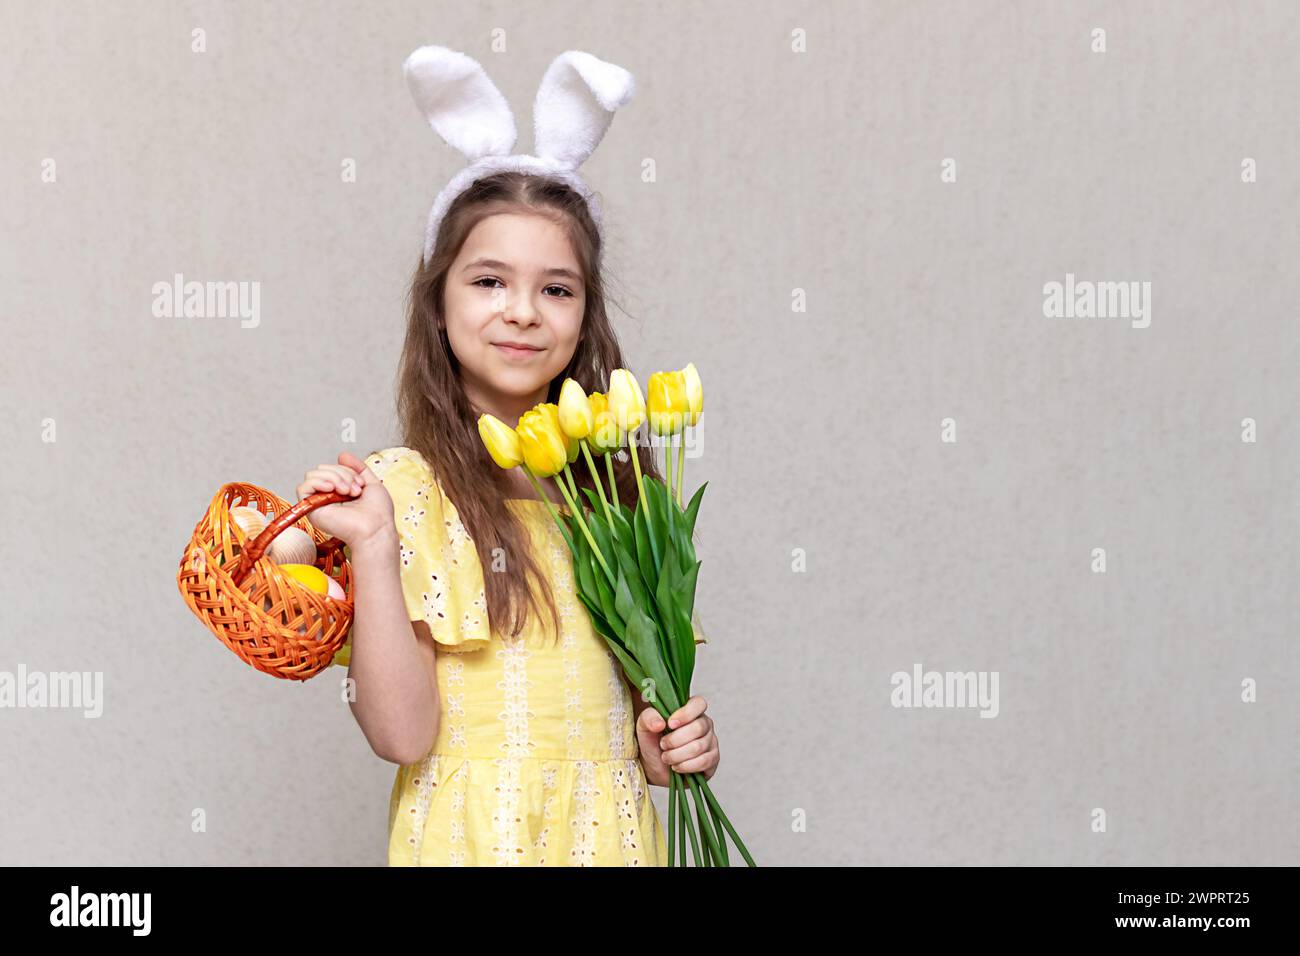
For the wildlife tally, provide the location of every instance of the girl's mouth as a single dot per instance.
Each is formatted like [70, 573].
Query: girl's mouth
[509, 351]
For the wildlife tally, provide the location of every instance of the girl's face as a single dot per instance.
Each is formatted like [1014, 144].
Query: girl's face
[517, 280]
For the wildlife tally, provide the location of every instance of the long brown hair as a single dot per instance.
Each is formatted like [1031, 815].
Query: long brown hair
[435, 415]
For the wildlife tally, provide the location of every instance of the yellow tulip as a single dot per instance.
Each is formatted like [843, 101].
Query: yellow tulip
[552, 413]
[605, 435]
[667, 403]
[625, 401]
[575, 410]
[694, 393]
[541, 443]
[501, 440]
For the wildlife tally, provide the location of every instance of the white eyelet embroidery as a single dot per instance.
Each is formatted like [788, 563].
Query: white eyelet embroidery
[562, 575]
[452, 673]
[411, 520]
[456, 855]
[540, 844]
[457, 536]
[619, 723]
[514, 685]
[425, 780]
[629, 838]
[584, 821]
[637, 776]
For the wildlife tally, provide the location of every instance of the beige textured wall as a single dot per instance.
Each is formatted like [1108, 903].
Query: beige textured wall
[776, 170]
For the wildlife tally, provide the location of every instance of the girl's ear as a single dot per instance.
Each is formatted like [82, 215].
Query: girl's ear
[575, 105]
[461, 103]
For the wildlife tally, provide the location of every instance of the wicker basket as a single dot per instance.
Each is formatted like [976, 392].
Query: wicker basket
[269, 619]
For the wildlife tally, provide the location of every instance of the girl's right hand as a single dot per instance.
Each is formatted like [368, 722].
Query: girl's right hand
[369, 513]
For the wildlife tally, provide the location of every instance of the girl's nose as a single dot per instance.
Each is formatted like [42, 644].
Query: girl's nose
[521, 309]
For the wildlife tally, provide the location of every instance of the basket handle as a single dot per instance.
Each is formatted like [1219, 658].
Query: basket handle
[257, 547]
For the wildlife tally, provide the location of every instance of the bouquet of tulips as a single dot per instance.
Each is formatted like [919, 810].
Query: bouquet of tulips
[634, 567]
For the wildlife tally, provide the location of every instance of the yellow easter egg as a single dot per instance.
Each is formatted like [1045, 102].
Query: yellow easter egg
[309, 576]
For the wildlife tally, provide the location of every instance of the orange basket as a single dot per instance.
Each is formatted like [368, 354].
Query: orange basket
[270, 620]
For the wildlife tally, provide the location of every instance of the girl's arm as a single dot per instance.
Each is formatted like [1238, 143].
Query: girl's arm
[396, 689]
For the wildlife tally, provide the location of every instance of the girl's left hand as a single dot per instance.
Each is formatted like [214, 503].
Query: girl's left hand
[687, 744]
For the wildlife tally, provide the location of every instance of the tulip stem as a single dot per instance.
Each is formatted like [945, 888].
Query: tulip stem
[568, 473]
[681, 463]
[577, 513]
[717, 809]
[686, 818]
[645, 502]
[707, 820]
[595, 478]
[681, 833]
[613, 485]
[550, 505]
[672, 820]
[667, 470]
[636, 466]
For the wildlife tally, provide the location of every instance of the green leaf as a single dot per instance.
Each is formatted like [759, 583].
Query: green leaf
[604, 541]
[598, 622]
[644, 550]
[582, 565]
[664, 601]
[657, 518]
[634, 673]
[643, 644]
[624, 603]
[682, 637]
[684, 603]
[680, 553]
[623, 529]
[693, 507]
[686, 588]
[627, 566]
[606, 595]
[669, 575]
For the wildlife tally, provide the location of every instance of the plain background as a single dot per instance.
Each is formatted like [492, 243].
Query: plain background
[775, 171]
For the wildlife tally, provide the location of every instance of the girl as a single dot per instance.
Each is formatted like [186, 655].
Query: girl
[519, 739]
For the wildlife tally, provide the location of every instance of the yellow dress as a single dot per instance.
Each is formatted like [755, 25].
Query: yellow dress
[536, 760]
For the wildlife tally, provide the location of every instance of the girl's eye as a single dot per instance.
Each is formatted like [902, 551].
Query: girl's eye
[564, 293]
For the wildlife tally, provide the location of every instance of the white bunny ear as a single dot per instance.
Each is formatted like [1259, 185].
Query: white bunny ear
[575, 105]
[461, 103]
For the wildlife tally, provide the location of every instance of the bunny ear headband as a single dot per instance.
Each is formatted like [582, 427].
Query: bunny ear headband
[575, 104]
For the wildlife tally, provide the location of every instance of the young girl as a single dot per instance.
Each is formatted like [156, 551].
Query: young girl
[519, 740]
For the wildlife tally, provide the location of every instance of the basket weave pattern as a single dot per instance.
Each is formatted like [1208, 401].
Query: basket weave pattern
[269, 619]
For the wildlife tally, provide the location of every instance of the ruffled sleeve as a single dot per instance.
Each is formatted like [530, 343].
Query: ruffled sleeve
[442, 579]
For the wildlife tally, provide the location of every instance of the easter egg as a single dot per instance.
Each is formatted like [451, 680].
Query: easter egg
[249, 520]
[336, 590]
[308, 576]
[293, 546]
